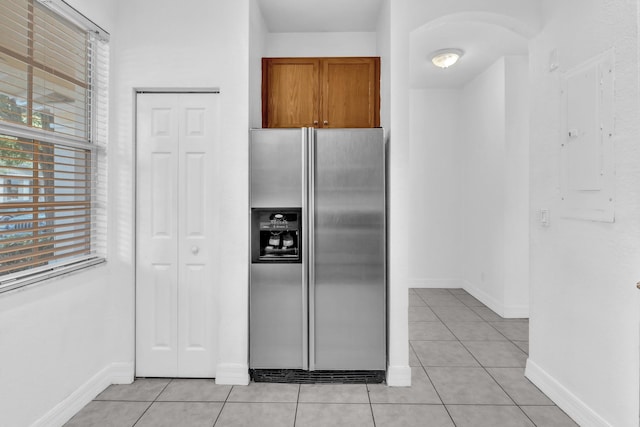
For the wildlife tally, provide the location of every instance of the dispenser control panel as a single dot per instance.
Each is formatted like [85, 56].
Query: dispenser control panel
[276, 235]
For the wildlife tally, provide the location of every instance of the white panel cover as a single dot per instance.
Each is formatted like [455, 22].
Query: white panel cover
[584, 137]
[587, 174]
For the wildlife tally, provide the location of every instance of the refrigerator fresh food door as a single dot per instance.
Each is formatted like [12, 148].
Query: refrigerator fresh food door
[347, 250]
[276, 167]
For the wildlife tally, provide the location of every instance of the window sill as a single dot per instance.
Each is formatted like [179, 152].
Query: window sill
[56, 272]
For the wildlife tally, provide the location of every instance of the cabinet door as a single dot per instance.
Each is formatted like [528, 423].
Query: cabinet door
[290, 92]
[350, 92]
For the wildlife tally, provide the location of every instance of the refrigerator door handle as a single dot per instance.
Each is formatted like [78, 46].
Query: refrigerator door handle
[310, 187]
[305, 248]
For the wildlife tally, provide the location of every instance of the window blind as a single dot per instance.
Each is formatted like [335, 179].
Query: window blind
[53, 133]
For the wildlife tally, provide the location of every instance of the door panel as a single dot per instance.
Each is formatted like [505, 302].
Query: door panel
[194, 319]
[161, 198]
[276, 334]
[195, 193]
[197, 323]
[162, 122]
[291, 92]
[163, 314]
[350, 97]
[157, 238]
[195, 326]
[175, 294]
[276, 168]
[349, 250]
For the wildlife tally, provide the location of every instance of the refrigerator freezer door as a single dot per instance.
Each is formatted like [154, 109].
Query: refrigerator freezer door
[347, 290]
[276, 328]
[276, 167]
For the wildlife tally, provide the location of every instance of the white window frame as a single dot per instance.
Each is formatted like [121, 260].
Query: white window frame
[96, 142]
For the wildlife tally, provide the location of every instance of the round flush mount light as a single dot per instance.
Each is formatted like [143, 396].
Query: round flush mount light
[445, 58]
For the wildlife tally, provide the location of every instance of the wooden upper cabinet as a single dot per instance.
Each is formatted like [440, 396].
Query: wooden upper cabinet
[351, 92]
[321, 92]
[290, 92]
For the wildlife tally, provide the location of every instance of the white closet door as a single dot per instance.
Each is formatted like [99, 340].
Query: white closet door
[175, 286]
[197, 325]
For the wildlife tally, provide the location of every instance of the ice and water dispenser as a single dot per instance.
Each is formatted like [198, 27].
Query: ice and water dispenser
[276, 236]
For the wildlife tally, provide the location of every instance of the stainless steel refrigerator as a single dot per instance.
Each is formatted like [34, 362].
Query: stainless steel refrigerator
[317, 270]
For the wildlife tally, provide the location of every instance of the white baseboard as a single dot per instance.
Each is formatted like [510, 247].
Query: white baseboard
[436, 283]
[398, 376]
[516, 312]
[485, 298]
[509, 312]
[567, 401]
[232, 374]
[116, 373]
[122, 373]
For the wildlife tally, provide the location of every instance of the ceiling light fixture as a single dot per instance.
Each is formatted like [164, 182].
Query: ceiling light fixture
[444, 58]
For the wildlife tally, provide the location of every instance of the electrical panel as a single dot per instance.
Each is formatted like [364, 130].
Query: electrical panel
[587, 175]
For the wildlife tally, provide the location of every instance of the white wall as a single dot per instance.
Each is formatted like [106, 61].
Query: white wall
[257, 47]
[496, 155]
[516, 187]
[320, 44]
[383, 50]
[209, 48]
[584, 312]
[483, 121]
[398, 371]
[436, 251]
[62, 341]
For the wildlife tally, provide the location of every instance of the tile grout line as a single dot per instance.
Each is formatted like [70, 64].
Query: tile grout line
[484, 367]
[373, 417]
[424, 367]
[487, 371]
[295, 415]
[472, 355]
[438, 393]
[517, 404]
[514, 401]
[152, 402]
[224, 403]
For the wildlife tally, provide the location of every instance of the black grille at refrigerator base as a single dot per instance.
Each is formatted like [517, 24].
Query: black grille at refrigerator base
[298, 376]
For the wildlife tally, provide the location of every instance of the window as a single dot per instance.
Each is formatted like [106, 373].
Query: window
[53, 111]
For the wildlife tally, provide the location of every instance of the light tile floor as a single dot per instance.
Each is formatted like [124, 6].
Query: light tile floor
[467, 371]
